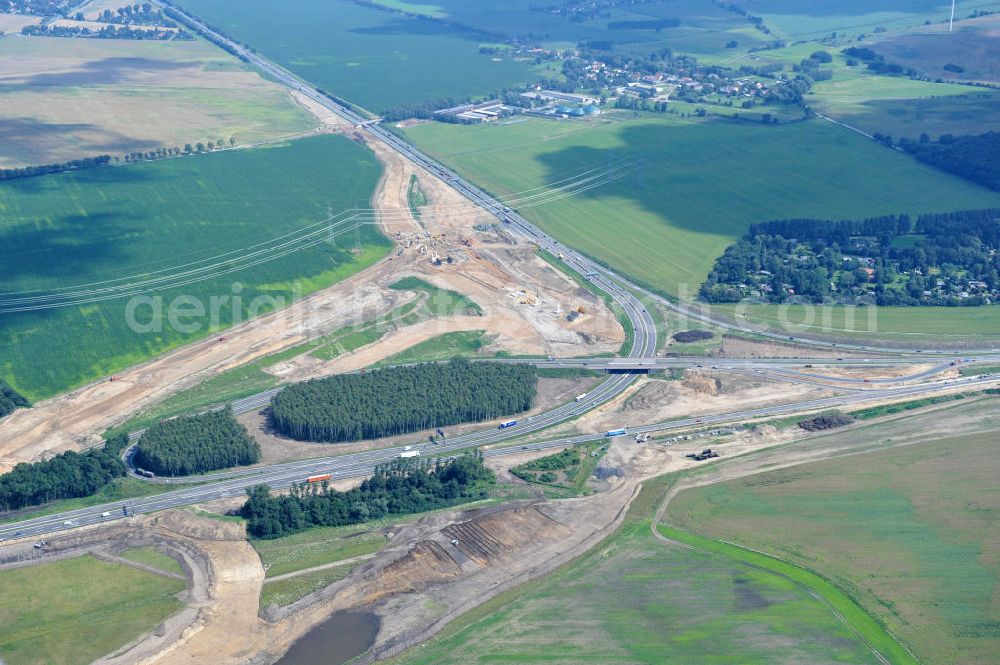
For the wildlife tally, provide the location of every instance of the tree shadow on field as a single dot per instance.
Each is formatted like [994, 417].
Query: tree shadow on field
[53, 184]
[65, 252]
[28, 140]
[106, 71]
[422, 27]
[843, 7]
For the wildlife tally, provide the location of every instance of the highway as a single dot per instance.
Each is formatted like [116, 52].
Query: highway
[615, 284]
[623, 292]
[216, 486]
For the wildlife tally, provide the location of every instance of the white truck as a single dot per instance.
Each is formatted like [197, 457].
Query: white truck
[409, 453]
[579, 398]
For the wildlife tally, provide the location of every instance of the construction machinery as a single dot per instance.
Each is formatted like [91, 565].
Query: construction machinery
[707, 453]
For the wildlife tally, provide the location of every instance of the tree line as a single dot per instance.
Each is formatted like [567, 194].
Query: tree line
[195, 444]
[944, 259]
[107, 32]
[106, 160]
[399, 488]
[46, 169]
[10, 399]
[350, 407]
[973, 157]
[135, 14]
[66, 476]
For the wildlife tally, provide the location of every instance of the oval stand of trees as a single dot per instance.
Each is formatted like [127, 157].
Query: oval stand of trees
[400, 400]
[195, 444]
[401, 487]
[66, 476]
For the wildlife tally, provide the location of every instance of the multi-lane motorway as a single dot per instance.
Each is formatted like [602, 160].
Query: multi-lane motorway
[222, 485]
[641, 356]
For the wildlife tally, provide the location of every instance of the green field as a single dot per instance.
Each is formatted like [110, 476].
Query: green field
[126, 223]
[370, 57]
[704, 28]
[442, 347]
[439, 302]
[701, 184]
[565, 473]
[319, 546]
[635, 599]
[150, 556]
[922, 325]
[795, 20]
[287, 591]
[74, 611]
[972, 47]
[895, 105]
[874, 634]
[908, 533]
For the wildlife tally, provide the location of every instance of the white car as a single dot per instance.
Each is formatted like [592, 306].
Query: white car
[106, 513]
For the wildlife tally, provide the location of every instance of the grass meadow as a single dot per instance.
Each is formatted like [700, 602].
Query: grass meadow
[908, 532]
[894, 105]
[443, 347]
[635, 599]
[74, 611]
[126, 223]
[699, 184]
[924, 326]
[794, 20]
[972, 46]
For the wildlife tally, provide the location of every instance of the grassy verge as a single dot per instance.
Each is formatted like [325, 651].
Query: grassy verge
[866, 626]
[566, 472]
[318, 546]
[74, 611]
[286, 592]
[150, 556]
[974, 370]
[121, 489]
[568, 373]
[415, 197]
[888, 409]
[442, 347]
[440, 302]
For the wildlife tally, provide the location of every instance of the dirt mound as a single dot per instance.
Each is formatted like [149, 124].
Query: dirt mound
[650, 395]
[761, 433]
[706, 385]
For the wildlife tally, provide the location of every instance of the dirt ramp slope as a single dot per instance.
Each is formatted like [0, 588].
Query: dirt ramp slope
[498, 536]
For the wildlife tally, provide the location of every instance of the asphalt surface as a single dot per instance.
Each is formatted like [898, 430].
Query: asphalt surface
[217, 486]
[643, 350]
